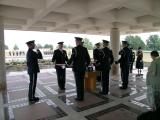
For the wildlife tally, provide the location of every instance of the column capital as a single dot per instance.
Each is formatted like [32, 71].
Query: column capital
[114, 28]
[115, 25]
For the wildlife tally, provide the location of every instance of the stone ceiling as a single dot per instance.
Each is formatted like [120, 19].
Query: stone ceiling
[81, 16]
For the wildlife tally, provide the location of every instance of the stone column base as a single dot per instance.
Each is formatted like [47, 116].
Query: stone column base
[115, 72]
[115, 69]
[2, 86]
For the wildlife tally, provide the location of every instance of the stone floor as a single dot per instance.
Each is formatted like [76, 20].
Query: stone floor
[55, 104]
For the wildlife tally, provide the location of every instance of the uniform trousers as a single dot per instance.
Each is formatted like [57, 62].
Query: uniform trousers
[79, 78]
[105, 81]
[125, 76]
[61, 77]
[32, 85]
[131, 67]
[99, 77]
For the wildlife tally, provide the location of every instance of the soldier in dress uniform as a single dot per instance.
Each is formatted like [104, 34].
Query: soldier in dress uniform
[105, 66]
[97, 55]
[79, 59]
[33, 69]
[124, 64]
[60, 58]
[132, 59]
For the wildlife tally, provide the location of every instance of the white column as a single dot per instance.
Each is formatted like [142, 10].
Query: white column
[115, 46]
[2, 57]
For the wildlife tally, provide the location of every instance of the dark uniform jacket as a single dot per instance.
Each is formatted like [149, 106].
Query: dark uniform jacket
[79, 58]
[107, 59]
[132, 56]
[59, 57]
[32, 61]
[125, 57]
[97, 55]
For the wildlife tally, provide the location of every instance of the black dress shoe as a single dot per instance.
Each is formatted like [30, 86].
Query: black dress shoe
[31, 101]
[78, 99]
[62, 88]
[122, 87]
[103, 93]
[36, 99]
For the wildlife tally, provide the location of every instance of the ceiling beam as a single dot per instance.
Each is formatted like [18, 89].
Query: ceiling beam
[50, 6]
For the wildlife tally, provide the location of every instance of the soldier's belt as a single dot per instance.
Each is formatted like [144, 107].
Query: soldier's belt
[60, 64]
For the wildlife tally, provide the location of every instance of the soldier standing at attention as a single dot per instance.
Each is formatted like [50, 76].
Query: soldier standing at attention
[80, 59]
[97, 55]
[33, 69]
[124, 64]
[105, 65]
[60, 58]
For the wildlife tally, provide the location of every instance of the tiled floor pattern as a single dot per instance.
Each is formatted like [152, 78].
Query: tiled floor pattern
[57, 104]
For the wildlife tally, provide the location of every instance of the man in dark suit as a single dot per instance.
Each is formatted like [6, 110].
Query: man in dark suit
[80, 60]
[124, 64]
[105, 66]
[33, 69]
[60, 58]
[97, 55]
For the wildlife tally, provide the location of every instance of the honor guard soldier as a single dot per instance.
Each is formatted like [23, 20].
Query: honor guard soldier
[33, 69]
[97, 55]
[60, 58]
[80, 60]
[105, 66]
[124, 64]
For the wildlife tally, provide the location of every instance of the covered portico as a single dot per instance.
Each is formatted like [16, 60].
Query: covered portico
[101, 17]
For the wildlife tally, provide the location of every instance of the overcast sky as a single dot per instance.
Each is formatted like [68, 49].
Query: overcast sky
[13, 37]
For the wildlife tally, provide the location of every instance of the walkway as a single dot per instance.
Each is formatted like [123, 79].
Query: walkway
[55, 104]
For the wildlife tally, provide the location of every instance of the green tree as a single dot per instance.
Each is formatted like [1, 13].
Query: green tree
[88, 44]
[70, 47]
[6, 47]
[15, 47]
[39, 46]
[153, 42]
[65, 46]
[49, 46]
[135, 42]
